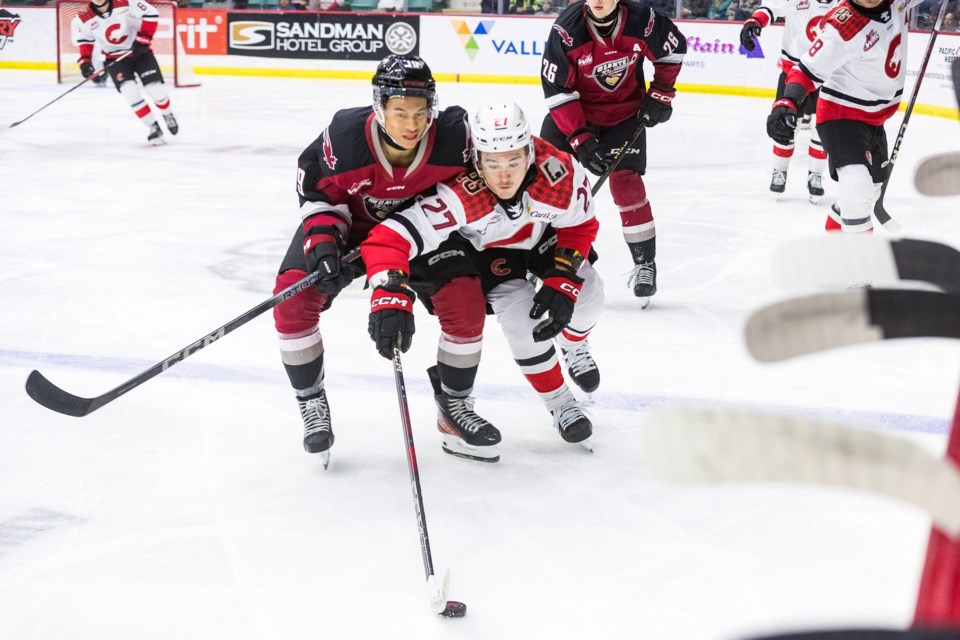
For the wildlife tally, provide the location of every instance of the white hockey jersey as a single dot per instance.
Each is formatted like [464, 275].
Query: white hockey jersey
[803, 20]
[117, 31]
[858, 61]
[559, 197]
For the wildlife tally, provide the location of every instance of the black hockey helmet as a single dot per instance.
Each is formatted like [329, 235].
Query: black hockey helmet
[404, 76]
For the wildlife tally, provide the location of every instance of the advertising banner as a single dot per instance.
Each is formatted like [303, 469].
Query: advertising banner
[322, 36]
[27, 34]
[203, 32]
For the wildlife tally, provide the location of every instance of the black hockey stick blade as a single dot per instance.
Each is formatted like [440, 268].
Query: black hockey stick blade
[840, 260]
[56, 399]
[825, 321]
[939, 175]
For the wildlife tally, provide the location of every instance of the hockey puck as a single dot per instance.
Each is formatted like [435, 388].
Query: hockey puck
[454, 609]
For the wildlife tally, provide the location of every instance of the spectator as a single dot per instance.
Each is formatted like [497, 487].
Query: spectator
[287, 5]
[327, 5]
[546, 9]
[949, 22]
[523, 7]
[693, 9]
[718, 9]
[392, 6]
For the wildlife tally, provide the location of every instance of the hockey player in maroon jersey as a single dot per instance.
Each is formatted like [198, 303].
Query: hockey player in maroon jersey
[592, 77]
[369, 162]
[526, 209]
[859, 63]
[803, 20]
[122, 26]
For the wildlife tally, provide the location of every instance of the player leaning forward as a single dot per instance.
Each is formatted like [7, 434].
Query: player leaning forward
[859, 63]
[593, 81]
[526, 208]
[122, 26]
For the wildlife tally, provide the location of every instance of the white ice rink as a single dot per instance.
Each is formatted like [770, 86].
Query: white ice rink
[188, 509]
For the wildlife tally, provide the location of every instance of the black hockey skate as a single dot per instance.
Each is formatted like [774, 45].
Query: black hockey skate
[171, 123]
[778, 182]
[156, 135]
[465, 434]
[573, 426]
[815, 186]
[643, 281]
[317, 430]
[582, 368]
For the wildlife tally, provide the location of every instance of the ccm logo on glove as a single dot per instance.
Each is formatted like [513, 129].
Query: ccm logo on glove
[392, 302]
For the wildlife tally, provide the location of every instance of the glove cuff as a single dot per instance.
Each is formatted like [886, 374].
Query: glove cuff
[567, 260]
[578, 139]
[785, 102]
[663, 96]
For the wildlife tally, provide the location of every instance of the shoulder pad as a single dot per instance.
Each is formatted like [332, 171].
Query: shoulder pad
[846, 20]
[554, 183]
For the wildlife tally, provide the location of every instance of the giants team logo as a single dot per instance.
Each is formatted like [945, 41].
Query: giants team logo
[610, 74]
[381, 208]
[356, 186]
[565, 37]
[8, 24]
[328, 156]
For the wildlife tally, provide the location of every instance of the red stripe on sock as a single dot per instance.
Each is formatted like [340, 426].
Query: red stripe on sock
[547, 381]
[143, 111]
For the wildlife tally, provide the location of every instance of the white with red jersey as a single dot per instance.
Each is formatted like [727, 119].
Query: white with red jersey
[858, 62]
[803, 20]
[559, 197]
[117, 31]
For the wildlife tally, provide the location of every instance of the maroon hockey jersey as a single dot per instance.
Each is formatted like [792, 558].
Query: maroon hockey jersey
[345, 180]
[590, 78]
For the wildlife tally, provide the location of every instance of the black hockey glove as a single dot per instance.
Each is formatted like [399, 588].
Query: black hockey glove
[749, 33]
[592, 157]
[141, 45]
[657, 106]
[782, 121]
[558, 295]
[391, 314]
[321, 248]
[86, 69]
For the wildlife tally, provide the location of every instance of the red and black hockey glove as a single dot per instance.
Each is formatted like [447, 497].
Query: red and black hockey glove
[141, 45]
[321, 248]
[86, 68]
[591, 154]
[391, 314]
[558, 295]
[782, 121]
[749, 33]
[657, 107]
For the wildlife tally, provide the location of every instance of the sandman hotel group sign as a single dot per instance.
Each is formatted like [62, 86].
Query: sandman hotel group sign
[322, 36]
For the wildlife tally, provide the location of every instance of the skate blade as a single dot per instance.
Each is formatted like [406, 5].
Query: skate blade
[814, 199]
[158, 142]
[586, 444]
[644, 301]
[324, 458]
[588, 400]
[460, 449]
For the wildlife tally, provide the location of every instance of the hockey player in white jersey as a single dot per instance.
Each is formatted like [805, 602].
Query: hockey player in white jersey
[803, 20]
[859, 63]
[121, 27]
[526, 209]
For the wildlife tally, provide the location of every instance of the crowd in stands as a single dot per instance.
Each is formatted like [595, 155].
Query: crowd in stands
[730, 10]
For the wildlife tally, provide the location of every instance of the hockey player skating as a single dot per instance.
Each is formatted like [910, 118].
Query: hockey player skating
[120, 26]
[368, 163]
[526, 208]
[859, 63]
[803, 21]
[592, 77]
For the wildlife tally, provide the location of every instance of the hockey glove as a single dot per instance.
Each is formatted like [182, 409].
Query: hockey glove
[750, 31]
[591, 155]
[782, 121]
[558, 295]
[391, 314]
[141, 45]
[657, 106]
[321, 248]
[86, 69]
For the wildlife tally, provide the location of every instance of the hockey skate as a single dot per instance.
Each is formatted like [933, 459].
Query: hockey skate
[155, 137]
[643, 281]
[465, 434]
[171, 123]
[778, 182]
[572, 425]
[317, 431]
[815, 186]
[582, 368]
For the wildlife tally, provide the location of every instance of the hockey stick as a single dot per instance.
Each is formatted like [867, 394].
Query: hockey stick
[722, 445]
[939, 175]
[879, 211]
[838, 260]
[826, 321]
[56, 399]
[436, 592]
[74, 88]
[621, 152]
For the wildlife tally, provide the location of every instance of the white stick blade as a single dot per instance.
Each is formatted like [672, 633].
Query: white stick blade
[437, 592]
[736, 446]
[834, 260]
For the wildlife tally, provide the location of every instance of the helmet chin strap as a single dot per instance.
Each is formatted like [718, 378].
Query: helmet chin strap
[385, 137]
[602, 21]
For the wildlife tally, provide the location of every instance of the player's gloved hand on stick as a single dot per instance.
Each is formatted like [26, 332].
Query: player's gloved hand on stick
[782, 121]
[558, 295]
[657, 107]
[86, 68]
[321, 248]
[750, 31]
[391, 313]
[591, 156]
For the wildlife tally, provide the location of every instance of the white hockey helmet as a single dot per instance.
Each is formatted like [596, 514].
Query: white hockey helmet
[500, 127]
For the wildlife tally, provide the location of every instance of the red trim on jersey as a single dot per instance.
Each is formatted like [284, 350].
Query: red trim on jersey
[665, 75]
[846, 20]
[323, 219]
[761, 16]
[148, 27]
[385, 249]
[546, 381]
[86, 52]
[525, 233]
[827, 110]
[579, 238]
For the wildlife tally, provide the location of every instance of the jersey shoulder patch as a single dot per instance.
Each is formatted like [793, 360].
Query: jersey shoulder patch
[86, 15]
[343, 144]
[451, 145]
[846, 20]
[119, 4]
[554, 183]
[472, 192]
